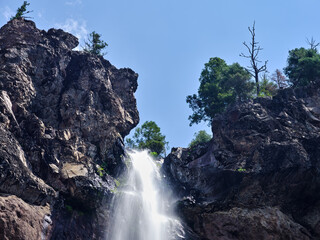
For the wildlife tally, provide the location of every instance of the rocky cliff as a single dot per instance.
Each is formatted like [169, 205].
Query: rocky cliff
[259, 177]
[63, 116]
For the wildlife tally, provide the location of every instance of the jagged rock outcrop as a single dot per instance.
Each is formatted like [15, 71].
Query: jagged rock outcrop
[63, 116]
[258, 178]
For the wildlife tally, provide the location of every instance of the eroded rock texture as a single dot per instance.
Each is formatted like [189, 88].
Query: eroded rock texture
[63, 116]
[258, 178]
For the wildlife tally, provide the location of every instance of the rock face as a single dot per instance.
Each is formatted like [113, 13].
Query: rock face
[19, 220]
[258, 178]
[63, 116]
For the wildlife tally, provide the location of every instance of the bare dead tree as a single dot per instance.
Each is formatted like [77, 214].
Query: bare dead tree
[313, 44]
[279, 79]
[254, 49]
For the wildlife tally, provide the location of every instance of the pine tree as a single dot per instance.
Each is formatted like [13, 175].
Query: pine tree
[21, 11]
[94, 45]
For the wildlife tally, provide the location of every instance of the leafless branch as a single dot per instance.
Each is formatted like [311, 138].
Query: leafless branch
[254, 50]
[312, 43]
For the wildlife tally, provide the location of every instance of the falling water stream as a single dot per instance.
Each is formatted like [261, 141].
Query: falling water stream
[141, 207]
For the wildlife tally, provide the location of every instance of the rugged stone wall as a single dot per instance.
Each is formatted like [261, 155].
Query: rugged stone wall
[258, 178]
[63, 116]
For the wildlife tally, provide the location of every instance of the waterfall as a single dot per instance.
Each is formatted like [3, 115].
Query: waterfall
[141, 206]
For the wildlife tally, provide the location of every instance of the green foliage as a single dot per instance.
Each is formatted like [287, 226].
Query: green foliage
[69, 208]
[220, 85]
[117, 182]
[21, 11]
[95, 45]
[100, 171]
[241, 170]
[303, 66]
[72, 210]
[148, 137]
[131, 143]
[200, 137]
[267, 88]
[154, 154]
[114, 191]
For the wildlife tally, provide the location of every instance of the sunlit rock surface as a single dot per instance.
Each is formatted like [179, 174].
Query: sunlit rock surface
[259, 176]
[63, 116]
[21, 220]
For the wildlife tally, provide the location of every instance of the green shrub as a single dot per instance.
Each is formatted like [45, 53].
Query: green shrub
[21, 11]
[242, 170]
[200, 137]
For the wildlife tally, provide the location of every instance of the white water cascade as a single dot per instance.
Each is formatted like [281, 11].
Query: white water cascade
[140, 207]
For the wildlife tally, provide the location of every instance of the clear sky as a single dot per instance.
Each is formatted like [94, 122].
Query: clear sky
[167, 42]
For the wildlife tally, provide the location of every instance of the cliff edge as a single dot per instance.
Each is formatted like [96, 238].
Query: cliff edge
[258, 178]
[63, 117]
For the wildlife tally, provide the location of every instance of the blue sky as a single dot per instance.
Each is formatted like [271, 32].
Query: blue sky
[168, 42]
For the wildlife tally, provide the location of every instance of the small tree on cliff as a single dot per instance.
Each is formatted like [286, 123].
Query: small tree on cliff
[148, 136]
[21, 11]
[267, 87]
[303, 66]
[279, 79]
[94, 44]
[200, 137]
[220, 85]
